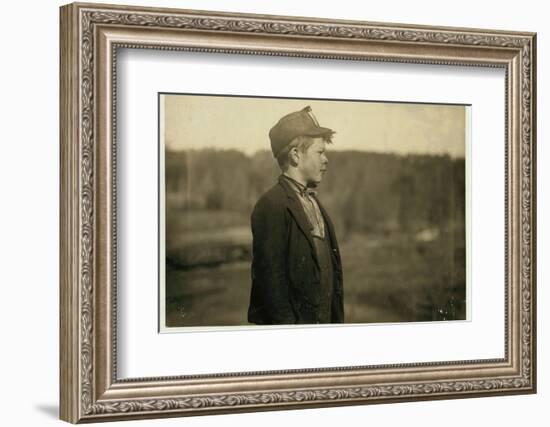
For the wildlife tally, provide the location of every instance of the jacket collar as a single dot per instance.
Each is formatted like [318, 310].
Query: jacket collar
[293, 187]
[298, 187]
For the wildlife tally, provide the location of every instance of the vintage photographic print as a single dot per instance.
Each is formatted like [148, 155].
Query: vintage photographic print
[279, 211]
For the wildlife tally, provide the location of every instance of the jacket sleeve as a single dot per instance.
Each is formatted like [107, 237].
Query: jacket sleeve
[270, 253]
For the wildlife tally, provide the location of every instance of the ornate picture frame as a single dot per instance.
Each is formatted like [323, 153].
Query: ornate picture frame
[91, 36]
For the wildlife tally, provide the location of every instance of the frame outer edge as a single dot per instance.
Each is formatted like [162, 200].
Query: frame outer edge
[305, 19]
[533, 112]
[69, 355]
[77, 339]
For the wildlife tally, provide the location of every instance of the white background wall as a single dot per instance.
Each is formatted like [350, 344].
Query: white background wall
[29, 172]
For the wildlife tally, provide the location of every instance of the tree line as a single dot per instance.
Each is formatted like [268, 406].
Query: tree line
[363, 191]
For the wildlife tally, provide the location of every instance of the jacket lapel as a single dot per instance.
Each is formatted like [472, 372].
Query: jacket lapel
[297, 211]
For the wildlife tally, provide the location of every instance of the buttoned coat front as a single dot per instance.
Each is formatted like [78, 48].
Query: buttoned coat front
[285, 268]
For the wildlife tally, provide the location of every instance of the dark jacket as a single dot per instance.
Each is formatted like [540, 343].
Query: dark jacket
[285, 268]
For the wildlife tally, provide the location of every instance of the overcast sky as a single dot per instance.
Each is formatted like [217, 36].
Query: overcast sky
[200, 121]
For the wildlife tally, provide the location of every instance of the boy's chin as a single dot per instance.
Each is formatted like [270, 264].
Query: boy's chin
[313, 183]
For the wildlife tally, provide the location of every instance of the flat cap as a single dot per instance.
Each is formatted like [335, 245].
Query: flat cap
[298, 123]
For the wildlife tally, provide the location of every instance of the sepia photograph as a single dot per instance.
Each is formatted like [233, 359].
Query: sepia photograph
[287, 211]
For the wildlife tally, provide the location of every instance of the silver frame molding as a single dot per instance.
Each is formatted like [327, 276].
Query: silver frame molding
[90, 37]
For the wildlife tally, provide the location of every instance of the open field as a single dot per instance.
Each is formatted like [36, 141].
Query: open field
[399, 278]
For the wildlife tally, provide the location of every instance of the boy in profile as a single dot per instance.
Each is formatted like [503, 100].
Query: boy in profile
[296, 266]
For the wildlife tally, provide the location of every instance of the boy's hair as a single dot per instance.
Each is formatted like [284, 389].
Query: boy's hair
[302, 142]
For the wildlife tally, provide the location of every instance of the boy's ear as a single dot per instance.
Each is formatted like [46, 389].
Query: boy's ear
[294, 152]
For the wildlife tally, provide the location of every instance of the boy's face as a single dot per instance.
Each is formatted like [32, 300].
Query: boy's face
[313, 163]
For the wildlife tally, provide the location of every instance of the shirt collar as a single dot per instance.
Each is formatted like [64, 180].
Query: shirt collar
[300, 188]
